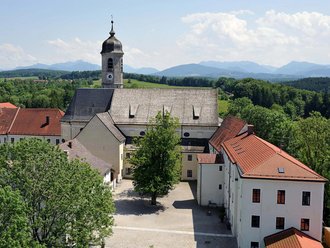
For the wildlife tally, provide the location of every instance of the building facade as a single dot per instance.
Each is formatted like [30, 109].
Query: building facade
[264, 190]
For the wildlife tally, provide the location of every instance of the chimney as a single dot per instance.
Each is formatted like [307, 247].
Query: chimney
[250, 129]
[70, 144]
[47, 120]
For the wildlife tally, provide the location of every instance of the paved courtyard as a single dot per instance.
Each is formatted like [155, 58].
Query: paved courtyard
[176, 222]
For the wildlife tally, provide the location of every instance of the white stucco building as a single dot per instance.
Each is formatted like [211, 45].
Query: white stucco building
[265, 190]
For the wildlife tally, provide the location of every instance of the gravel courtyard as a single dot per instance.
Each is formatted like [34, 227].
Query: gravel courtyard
[176, 222]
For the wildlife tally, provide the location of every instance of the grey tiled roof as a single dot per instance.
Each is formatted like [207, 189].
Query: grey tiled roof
[191, 106]
[88, 102]
[106, 119]
[78, 151]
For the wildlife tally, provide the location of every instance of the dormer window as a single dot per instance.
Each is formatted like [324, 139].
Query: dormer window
[132, 110]
[196, 112]
[110, 63]
[166, 109]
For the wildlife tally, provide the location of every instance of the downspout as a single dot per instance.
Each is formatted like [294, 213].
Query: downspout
[200, 184]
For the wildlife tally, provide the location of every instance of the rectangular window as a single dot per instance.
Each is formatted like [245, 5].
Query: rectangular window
[189, 173]
[12, 140]
[254, 244]
[128, 171]
[306, 198]
[220, 186]
[255, 221]
[48, 140]
[189, 157]
[281, 197]
[220, 168]
[256, 195]
[280, 223]
[57, 141]
[304, 225]
[128, 155]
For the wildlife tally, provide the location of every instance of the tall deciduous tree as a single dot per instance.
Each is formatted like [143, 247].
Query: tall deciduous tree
[156, 163]
[67, 202]
[311, 145]
[14, 230]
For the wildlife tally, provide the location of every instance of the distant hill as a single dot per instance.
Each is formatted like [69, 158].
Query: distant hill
[143, 70]
[241, 66]
[315, 84]
[197, 70]
[78, 65]
[303, 68]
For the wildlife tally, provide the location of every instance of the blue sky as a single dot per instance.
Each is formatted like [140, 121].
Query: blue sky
[164, 33]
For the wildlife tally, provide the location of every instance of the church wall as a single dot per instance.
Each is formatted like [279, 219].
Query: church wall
[194, 131]
[70, 130]
[101, 143]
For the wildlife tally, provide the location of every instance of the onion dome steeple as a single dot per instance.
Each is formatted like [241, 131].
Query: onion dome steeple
[112, 44]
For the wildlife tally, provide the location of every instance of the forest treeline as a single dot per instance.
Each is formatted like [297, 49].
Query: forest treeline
[41, 94]
[318, 84]
[294, 102]
[57, 92]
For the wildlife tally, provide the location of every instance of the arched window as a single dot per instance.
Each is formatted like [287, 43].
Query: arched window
[110, 63]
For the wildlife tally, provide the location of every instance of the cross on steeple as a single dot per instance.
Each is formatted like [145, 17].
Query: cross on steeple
[112, 32]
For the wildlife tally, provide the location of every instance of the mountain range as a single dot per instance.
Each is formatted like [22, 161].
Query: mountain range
[213, 69]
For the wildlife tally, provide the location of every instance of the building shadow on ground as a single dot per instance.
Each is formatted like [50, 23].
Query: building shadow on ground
[137, 206]
[206, 221]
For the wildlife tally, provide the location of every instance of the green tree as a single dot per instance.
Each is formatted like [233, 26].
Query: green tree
[311, 145]
[67, 202]
[156, 163]
[14, 230]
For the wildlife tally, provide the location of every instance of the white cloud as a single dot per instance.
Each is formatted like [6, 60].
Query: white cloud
[12, 56]
[275, 38]
[75, 49]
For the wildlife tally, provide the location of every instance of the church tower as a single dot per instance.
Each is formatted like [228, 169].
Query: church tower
[112, 62]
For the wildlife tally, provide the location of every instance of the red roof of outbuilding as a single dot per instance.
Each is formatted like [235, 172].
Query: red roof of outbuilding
[230, 128]
[7, 116]
[258, 158]
[206, 158]
[292, 238]
[7, 105]
[33, 122]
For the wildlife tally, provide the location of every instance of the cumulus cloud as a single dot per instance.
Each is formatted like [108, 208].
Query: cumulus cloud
[275, 38]
[75, 49]
[12, 56]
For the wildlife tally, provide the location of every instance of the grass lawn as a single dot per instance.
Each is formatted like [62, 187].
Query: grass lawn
[222, 107]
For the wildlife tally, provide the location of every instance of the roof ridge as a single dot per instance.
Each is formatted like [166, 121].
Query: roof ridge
[12, 123]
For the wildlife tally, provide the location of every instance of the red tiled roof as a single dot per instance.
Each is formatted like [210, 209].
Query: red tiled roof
[292, 238]
[230, 128]
[33, 122]
[206, 158]
[258, 158]
[7, 105]
[7, 116]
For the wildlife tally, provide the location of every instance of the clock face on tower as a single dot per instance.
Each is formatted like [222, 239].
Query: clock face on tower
[109, 76]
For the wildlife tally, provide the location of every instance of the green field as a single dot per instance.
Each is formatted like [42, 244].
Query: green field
[222, 107]
[22, 78]
[140, 84]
